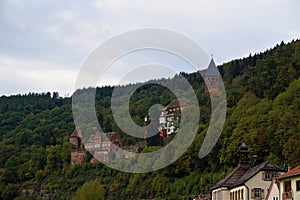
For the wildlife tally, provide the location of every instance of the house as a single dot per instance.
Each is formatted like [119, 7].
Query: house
[246, 182]
[289, 184]
[212, 77]
[169, 118]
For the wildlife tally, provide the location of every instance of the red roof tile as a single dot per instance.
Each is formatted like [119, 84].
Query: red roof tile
[293, 172]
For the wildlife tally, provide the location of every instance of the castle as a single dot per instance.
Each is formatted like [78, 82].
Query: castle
[99, 144]
[169, 117]
[103, 147]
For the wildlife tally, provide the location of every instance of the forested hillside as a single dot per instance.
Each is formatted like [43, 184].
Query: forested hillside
[263, 99]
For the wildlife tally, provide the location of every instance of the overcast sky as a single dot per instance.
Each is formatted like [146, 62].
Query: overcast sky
[43, 43]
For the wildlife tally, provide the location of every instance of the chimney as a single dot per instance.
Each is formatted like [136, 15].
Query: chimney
[287, 167]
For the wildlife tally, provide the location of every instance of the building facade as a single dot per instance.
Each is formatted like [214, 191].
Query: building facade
[289, 184]
[246, 182]
[169, 118]
[101, 145]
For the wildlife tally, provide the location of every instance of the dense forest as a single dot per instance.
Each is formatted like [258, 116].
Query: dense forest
[263, 107]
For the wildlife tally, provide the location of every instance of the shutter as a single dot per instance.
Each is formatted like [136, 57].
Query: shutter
[262, 194]
[252, 193]
[263, 176]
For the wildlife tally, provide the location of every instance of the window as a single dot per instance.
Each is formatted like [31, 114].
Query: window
[275, 198]
[287, 186]
[298, 185]
[242, 193]
[256, 193]
[268, 176]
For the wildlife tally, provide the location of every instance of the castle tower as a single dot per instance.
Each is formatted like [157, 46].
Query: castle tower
[212, 77]
[78, 153]
[75, 139]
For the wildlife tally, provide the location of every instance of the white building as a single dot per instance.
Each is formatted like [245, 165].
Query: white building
[290, 184]
[246, 182]
[169, 118]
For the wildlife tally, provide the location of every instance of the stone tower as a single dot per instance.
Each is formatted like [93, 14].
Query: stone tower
[212, 77]
[78, 152]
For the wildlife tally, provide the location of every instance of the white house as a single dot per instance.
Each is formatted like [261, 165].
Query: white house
[169, 118]
[246, 182]
[290, 184]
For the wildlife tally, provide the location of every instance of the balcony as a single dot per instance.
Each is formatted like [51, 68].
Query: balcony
[287, 196]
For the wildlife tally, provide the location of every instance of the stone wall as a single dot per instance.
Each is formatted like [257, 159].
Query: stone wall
[78, 156]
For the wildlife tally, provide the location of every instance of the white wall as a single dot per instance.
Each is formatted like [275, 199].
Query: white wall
[293, 180]
[257, 182]
[220, 194]
[239, 189]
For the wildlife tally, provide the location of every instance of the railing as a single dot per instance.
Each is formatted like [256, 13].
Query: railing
[287, 196]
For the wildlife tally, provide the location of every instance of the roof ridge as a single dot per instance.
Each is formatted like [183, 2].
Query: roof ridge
[230, 175]
[252, 172]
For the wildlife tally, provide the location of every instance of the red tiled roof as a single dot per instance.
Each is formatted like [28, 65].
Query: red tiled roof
[293, 172]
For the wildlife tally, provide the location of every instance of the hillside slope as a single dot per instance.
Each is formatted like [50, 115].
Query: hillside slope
[263, 94]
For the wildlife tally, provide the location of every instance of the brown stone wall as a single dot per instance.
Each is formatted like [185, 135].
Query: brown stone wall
[78, 156]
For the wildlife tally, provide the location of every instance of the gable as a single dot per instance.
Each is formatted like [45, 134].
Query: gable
[245, 174]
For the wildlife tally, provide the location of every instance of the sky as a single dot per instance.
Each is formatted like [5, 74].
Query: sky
[43, 44]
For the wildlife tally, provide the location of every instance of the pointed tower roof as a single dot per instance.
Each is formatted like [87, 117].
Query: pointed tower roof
[76, 133]
[244, 148]
[212, 70]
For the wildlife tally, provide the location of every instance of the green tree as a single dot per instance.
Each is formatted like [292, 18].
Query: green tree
[90, 190]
